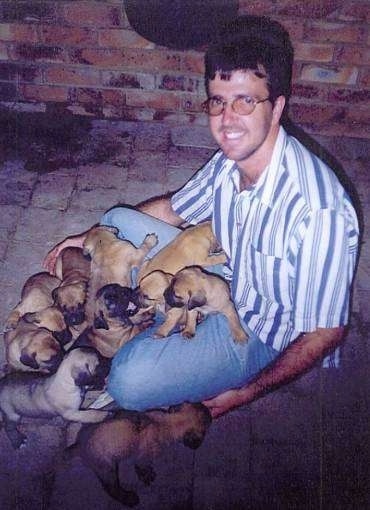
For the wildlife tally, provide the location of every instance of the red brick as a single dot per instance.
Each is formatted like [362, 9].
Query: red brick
[314, 52]
[364, 79]
[178, 82]
[343, 75]
[43, 93]
[92, 13]
[17, 72]
[325, 31]
[63, 35]
[118, 38]
[72, 76]
[193, 62]
[305, 91]
[39, 53]
[18, 32]
[350, 96]
[307, 9]
[354, 55]
[158, 100]
[355, 10]
[113, 97]
[15, 10]
[152, 60]
[256, 7]
[96, 57]
[316, 115]
[128, 80]
[192, 103]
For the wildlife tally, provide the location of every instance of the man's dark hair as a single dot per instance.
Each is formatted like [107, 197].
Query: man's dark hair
[253, 43]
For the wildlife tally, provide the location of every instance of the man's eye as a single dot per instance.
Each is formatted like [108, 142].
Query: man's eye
[246, 99]
[215, 101]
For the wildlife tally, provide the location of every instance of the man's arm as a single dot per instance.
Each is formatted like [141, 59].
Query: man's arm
[161, 209]
[298, 358]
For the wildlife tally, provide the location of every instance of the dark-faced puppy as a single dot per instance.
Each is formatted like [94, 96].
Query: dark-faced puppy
[30, 347]
[73, 269]
[197, 291]
[117, 319]
[139, 436]
[61, 394]
[112, 261]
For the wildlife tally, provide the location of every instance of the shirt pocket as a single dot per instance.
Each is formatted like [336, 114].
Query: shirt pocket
[268, 275]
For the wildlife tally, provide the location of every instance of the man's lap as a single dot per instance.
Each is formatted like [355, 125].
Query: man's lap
[149, 372]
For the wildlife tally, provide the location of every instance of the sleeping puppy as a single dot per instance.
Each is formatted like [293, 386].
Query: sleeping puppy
[73, 269]
[118, 319]
[61, 394]
[197, 290]
[139, 436]
[36, 295]
[112, 260]
[30, 347]
[196, 245]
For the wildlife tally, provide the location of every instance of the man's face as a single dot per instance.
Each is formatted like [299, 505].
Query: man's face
[243, 138]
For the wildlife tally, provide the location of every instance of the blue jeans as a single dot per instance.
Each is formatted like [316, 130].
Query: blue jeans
[148, 372]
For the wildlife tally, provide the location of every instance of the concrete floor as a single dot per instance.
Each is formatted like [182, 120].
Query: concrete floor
[304, 446]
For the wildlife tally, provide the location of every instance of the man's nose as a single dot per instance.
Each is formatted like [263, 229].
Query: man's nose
[228, 115]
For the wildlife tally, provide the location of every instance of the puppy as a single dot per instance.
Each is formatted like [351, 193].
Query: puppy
[196, 245]
[150, 291]
[73, 269]
[197, 290]
[118, 318]
[36, 295]
[61, 394]
[112, 261]
[30, 347]
[139, 436]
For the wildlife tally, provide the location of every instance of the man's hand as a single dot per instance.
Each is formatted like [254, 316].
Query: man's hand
[51, 258]
[299, 357]
[225, 402]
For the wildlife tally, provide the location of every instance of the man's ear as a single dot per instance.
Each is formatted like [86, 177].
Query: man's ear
[278, 109]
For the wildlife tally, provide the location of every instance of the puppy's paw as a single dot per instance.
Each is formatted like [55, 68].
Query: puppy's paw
[151, 240]
[186, 333]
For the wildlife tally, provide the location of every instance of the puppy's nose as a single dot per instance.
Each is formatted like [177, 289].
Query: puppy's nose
[75, 318]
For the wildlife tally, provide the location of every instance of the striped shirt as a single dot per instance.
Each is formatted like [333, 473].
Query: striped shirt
[291, 240]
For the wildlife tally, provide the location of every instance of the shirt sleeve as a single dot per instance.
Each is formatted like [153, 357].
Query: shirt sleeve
[325, 267]
[194, 201]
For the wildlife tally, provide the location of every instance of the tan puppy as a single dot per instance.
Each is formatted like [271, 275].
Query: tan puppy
[138, 436]
[61, 394]
[118, 319]
[73, 269]
[36, 295]
[196, 245]
[150, 291]
[112, 261]
[30, 347]
[197, 290]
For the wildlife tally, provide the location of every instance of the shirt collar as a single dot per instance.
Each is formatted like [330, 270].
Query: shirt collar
[266, 184]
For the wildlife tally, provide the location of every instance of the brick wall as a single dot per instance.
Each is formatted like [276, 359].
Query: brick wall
[83, 57]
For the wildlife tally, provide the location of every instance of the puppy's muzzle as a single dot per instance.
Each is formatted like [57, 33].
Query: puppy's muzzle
[74, 316]
[171, 298]
[63, 337]
[53, 363]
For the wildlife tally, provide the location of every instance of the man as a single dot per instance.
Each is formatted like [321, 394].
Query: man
[286, 224]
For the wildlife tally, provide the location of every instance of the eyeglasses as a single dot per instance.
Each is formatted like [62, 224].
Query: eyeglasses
[243, 105]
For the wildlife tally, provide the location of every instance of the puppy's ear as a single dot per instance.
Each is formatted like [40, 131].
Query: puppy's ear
[54, 294]
[31, 317]
[100, 322]
[197, 299]
[29, 359]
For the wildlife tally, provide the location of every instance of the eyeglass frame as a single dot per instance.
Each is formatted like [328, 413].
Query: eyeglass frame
[254, 103]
